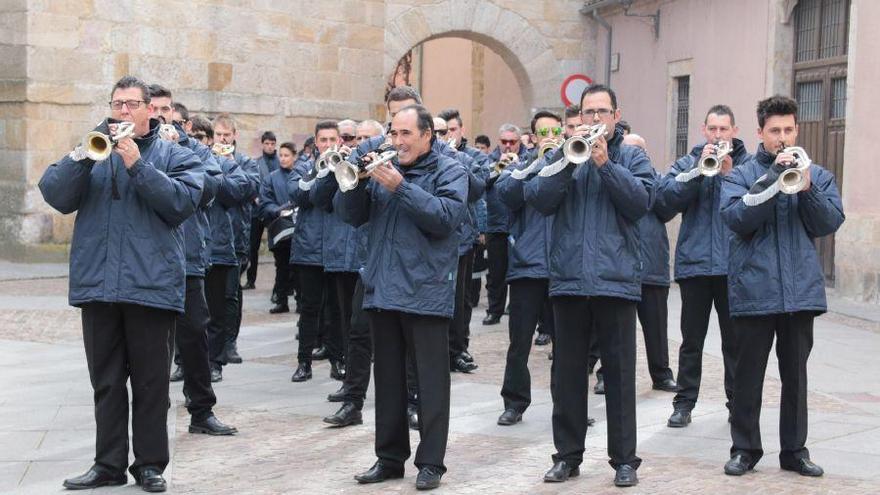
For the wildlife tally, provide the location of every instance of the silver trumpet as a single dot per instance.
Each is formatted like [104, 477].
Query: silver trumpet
[504, 161]
[708, 166]
[576, 149]
[549, 147]
[168, 132]
[790, 181]
[98, 146]
[330, 159]
[221, 149]
[348, 174]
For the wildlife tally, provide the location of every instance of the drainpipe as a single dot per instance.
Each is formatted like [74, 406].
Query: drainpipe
[602, 22]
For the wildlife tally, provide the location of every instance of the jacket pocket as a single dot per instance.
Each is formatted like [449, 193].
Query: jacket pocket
[149, 263]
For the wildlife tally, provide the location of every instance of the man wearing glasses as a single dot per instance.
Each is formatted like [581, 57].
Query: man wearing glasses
[595, 276]
[128, 276]
[498, 224]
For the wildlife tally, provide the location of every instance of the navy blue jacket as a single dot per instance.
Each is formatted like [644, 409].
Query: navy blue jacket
[774, 266]
[233, 189]
[241, 215]
[530, 230]
[654, 242]
[308, 238]
[129, 249]
[703, 239]
[595, 246]
[413, 251]
[498, 220]
[266, 164]
[477, 175]
[197, 229]
[273, 195]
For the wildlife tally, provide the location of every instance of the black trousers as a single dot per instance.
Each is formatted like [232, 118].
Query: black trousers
[545, 320]
[527, 297]
[614, 320]
[234, 291]
[360, 350]
[427, 338]
[496, 286]
[794, 340]
[256, 239]
[459, 327]
[473, 294]
[122, 342]
[281, 253]
[653, 314]
[191, 337]
[314, 287]
[222, 307]
[342, 284]
[697, 296]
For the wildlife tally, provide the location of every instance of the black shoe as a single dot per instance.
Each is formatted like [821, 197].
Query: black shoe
[428, 478]
[466, 356]
[177, 375]
[413, 416]
[599, 389]
[320, 354]
[460, 365]
[679, 419]
[626, 476]
[738, 465]
[379, 473]
[303, 372]
[509, 417]
[211, 426]
[492, 320]
[151, 480]
[337, 370]
[804, 467]
[667, 385]
[248, 286]
[339, 395]
[280, 308]
[347, 415]
[542, 339]
[95, 478]
[560, 472]
[232, 355]
[216, 373]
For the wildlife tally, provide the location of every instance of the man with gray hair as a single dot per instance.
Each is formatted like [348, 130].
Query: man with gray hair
[498, 224]
[369, 128]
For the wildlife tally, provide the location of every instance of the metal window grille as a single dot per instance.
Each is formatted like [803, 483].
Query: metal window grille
[809, 98]
[838, 98]
[820, 29]
[682, 105]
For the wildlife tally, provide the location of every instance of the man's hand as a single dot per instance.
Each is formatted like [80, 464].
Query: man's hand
[387, 176]
[787, 160]
[599, 153]
[129, 152]
[726, 164]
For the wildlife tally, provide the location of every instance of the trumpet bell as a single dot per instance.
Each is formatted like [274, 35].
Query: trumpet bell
[347, 176]
[710, 166]
[791, 181]
[223, 149]
[548, 148]
[97, 145]
[576, 150]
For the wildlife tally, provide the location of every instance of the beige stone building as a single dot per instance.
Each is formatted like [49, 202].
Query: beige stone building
[285, 65]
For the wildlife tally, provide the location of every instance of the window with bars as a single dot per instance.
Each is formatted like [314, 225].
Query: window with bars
[682, 106]
[821, 29]
[838, 98]
[809, 98]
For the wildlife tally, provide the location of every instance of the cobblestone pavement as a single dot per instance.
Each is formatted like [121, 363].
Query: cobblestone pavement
[47, 428]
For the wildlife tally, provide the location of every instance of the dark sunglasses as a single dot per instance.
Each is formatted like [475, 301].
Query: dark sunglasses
[441, 132]
[509, 142]
[348, 137]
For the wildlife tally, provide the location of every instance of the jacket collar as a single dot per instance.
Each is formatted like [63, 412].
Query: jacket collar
[763, 157]
[425, 164]
[150, 137]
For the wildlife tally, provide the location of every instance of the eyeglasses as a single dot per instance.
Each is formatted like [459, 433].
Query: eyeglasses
[199, 136]
[177, 122]
[601, 112]
[509, 142]
[348, 137]
[131, 104]
[440, 132]
[545, 131]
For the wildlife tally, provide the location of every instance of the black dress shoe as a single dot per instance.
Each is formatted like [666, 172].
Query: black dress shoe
[804, 467]
[428, 478]
[280, 308]
[232, 355]
[667, 385]
[738, 465]
[347, 415]
[509, 417]
[303, 372]
[337, 370]
[177, 375]
[95, 478]
[460, 365]
[542, 339]
[151, 480]
[466, 356]
[492, 320]
[679, 419]
[599, 389]
[560, 472]
[320, 354]
[379, 473]
[216, 373]
[339, 395]
[626, 476]
[212, 426]
[248, 286]
[413, 418]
